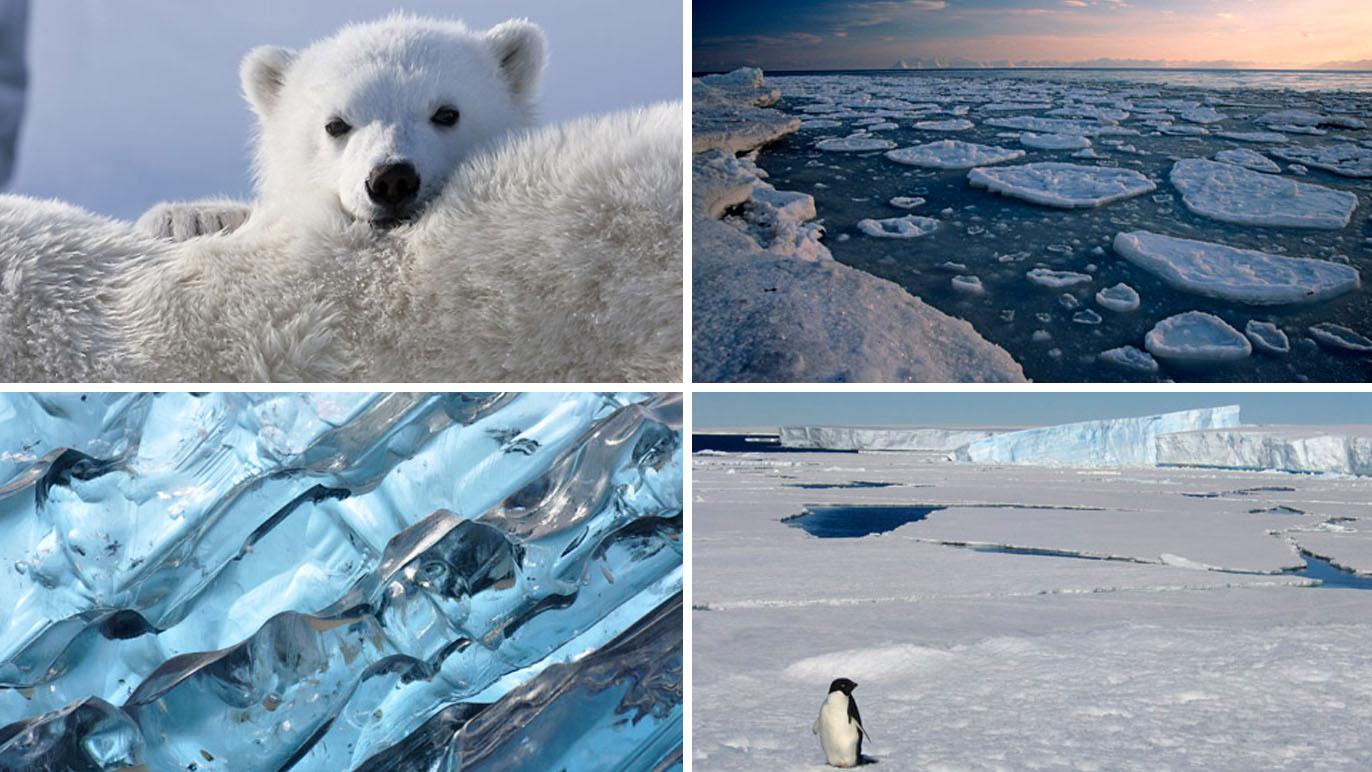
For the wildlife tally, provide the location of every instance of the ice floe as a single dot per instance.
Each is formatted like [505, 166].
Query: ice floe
[1249, 159]
[952, 124]
[1307, 118]
[1059, 126]
[1053, 183]
[1267, 337]
[853, 144]
[1253, 136]
[1196, 339]
[1340, 338]
[906, 202]
[1201, 115]
[1054, 141]
[1047, 277]
[1345, 158]
[1130, 359]
[1120, 298]
[1238, 195]
[1237, 275]
[953, 154]
[970, 285]
[908, 227]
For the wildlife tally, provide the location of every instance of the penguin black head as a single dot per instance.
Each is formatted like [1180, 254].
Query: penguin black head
[843, 685]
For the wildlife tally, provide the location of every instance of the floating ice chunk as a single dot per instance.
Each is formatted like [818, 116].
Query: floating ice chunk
[1234, 194]
[1345, 158]
[906, 202]
[1059, 126]
[820, 123]
[969, 285]
[1120, 298]
[1340, 338]
[1267, 337]
[953, 154]
[1202, 115]
[908, 227]
[1130, 358]
[854, 144]
[1183, 130]
[1087, 317]
[1248, 159]
[1089, 153]
[1307, 118]
[1046, 277]
[952, 124]
[1238, 275]
[1052, 183]
[1288, 128]
[1253, 136]
[1054, 141]
[1196, 339]
[1094, 112]
[1011, 107]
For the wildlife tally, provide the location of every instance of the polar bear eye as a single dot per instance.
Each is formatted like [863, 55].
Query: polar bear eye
[445, 116]
[337, 127]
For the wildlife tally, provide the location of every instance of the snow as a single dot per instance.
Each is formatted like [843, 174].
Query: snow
[1340, 338]
[1130, 358]
[953, 154]
[908, 227]
[1120, 298]
[1054, 141]
[1305, 449]
[1052, 183]
[1249, 159]
[854, 144]
[952, 124]
[1105, 443]
[769, 301]
[873, 438]
[1234, 194]
[1345, 158]
[1267, 337]
[1196, 339]
[1237, 275]
[1047, 277]
[972, 660]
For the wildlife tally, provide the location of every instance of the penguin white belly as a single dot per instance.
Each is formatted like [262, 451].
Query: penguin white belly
[837, 735]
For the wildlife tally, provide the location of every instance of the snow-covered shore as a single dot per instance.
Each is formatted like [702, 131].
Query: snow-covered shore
[770, 303]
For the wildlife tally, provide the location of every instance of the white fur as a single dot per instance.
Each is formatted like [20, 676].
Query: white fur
[553, 256]
[838, 734]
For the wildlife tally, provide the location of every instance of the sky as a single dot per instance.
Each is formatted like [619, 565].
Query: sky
[768, 410]
[858, 34]
[138, 101]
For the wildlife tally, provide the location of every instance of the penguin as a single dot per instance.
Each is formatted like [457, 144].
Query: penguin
[839, 725]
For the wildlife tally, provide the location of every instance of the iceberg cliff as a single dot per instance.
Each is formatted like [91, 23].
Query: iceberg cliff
[1114, 442]
[871, 438]
[1315, 449]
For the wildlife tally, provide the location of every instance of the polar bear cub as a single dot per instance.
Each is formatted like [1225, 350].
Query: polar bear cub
[367, 125]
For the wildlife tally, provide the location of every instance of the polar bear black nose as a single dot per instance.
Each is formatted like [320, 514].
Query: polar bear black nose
[393, 184]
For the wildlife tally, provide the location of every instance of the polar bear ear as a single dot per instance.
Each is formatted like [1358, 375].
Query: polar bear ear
[263, 72]
[520, 49]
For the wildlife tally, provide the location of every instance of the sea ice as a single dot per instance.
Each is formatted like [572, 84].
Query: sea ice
[1113, 442]
[854, 144]
[953, 154]
[1130, 358]
[1054, 141]
[1304, 449]
[865, 438]
[908, 227]
[1120, 298]
[1234, 194]
[1297, 117]
[906, 202]
[1196, 339]
[969, 285]
[1267, 337]
[952, 124]
[1047, 277]
[1253, 136]
[1249, 159]
[1237, 275]
[1052, 183]
[1346, 158]
[1059, 126]
[1202, 115]
[1340, 338]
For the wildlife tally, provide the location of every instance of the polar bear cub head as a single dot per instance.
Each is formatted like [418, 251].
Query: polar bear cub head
[368, 124]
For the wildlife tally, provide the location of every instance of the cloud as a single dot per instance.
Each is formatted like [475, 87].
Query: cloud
[929, 5]
[1075, 3]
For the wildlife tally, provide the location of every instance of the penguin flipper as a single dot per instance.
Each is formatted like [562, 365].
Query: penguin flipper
[814, 728]
[856, 717]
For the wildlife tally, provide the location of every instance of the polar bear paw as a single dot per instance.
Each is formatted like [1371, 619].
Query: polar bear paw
[182, 221]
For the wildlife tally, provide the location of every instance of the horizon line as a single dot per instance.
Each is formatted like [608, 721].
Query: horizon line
[699, 73]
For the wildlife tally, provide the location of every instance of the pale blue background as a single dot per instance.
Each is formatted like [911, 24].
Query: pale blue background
[137, 101]
[760, 410]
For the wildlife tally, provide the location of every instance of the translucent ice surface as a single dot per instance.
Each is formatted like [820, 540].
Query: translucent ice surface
[1052, 183]
[333, 581]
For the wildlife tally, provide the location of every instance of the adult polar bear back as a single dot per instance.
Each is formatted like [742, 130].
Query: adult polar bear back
[555, 256]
